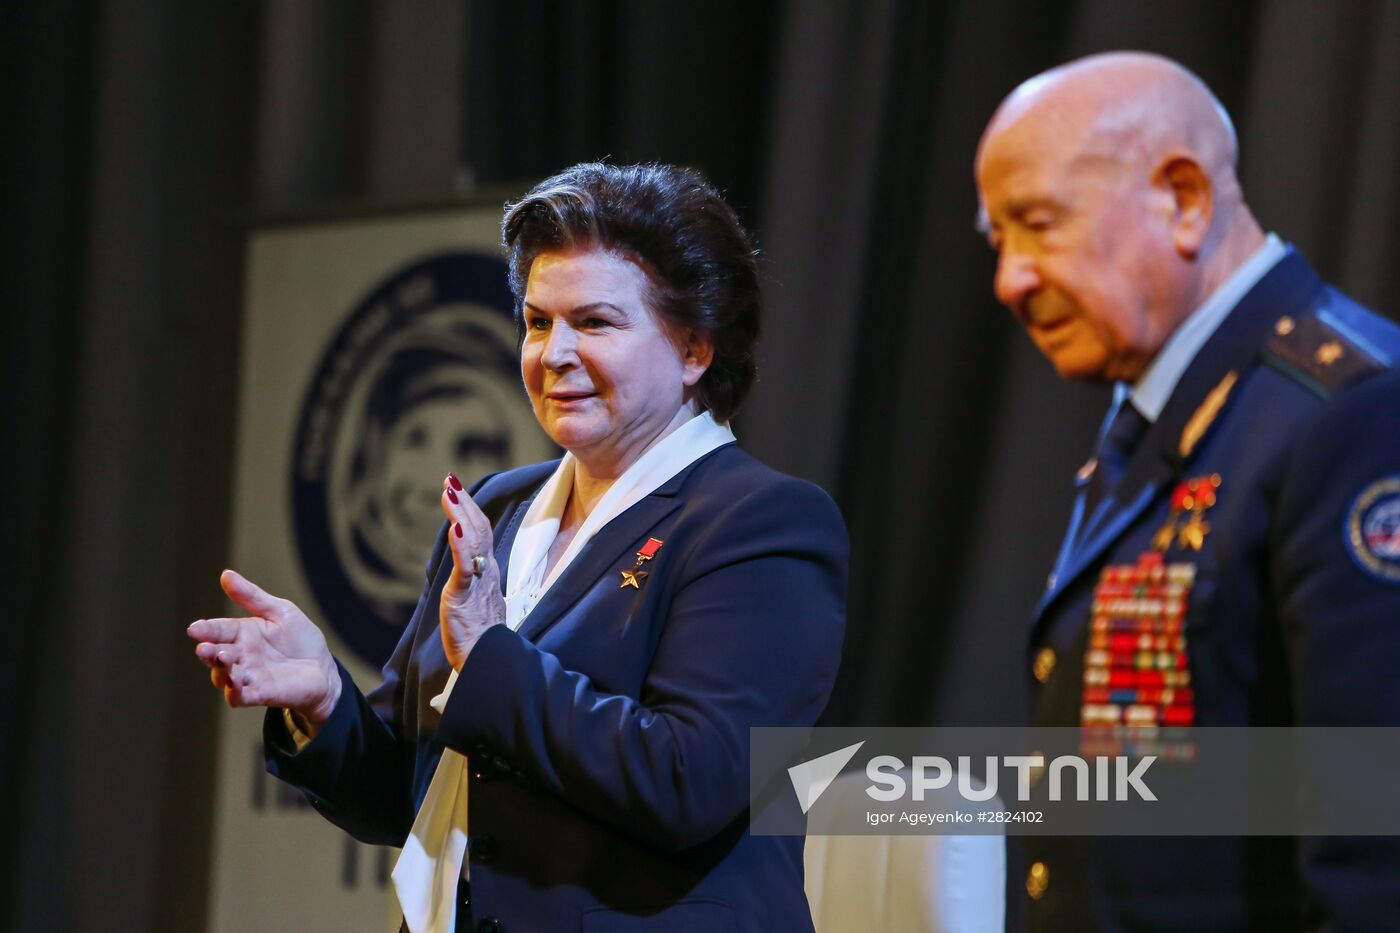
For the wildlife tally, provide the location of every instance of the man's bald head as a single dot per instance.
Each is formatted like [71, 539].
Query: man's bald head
[1108, 187]
[1123, 105]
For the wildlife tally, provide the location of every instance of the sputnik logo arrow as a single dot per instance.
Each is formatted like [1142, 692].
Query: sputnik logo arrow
[811, 778]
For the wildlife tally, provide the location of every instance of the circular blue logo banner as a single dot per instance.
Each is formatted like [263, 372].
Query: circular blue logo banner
[421, 378]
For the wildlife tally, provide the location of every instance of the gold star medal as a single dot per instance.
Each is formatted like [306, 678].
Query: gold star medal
[637, 576]
[1186, 526]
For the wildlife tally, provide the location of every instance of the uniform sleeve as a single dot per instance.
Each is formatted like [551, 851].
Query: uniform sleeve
[1341, 616]
[752, 637]
[1340, 610]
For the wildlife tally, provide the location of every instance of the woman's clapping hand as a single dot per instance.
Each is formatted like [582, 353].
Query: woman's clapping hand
[471, 600]
[276, 657]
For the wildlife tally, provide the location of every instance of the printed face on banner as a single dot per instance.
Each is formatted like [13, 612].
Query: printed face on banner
[420, 379]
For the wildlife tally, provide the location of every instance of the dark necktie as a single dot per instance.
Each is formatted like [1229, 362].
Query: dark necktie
[1121, 438]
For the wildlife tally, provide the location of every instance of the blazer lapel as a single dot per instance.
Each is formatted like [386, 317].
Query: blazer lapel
[605, 553]
[1234, 348]
[505, 539]
[612, 548]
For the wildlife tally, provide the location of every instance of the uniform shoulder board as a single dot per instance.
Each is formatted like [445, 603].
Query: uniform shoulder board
[1321, 353]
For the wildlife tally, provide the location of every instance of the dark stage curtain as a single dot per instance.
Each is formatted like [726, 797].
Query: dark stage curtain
[145, 137]
[134, 151]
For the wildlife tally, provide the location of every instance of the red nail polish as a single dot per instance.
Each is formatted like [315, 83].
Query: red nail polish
[457, 527]
[456, 483]
[452, 496]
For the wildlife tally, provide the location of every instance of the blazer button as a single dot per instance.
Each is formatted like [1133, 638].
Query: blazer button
[489, 925]
[481, 774]
[1044, 664]
[484, 849]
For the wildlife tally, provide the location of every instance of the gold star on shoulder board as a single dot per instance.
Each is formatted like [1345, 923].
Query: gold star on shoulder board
[1329, 353]
[633, 578]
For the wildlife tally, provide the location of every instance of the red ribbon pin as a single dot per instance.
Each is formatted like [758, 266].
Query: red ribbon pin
[635, 577]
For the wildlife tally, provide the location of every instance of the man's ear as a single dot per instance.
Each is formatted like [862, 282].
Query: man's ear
[1193, 200]
[697, 352]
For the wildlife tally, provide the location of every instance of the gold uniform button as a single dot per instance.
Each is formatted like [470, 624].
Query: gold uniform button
[1037, 880]
[1284, 326]
[1044, 664]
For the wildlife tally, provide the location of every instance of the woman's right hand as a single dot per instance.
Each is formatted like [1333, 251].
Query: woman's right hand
[277, 658]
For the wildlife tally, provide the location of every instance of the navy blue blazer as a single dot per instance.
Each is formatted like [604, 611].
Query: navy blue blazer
[1286, 623]
[609, 737]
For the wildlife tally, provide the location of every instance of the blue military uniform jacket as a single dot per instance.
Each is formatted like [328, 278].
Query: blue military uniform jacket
[608, 737]
[1294, 403]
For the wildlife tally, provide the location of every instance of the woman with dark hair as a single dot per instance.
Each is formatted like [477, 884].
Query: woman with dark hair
[561, 737]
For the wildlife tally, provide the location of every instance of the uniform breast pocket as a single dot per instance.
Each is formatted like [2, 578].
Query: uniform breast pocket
[692, 916]
[1234, 645]
[1200, 601]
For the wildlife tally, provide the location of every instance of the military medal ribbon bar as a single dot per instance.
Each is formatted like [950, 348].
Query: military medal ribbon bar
[1137, 670]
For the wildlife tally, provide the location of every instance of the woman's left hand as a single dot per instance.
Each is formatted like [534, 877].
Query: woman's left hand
[471, 600]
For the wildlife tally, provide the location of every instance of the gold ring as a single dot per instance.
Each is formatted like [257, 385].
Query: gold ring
[478, 565]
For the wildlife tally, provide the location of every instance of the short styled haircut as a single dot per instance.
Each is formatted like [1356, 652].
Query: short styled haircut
[678, 228]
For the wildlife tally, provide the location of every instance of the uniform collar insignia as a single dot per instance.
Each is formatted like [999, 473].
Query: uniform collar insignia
[1206, 414]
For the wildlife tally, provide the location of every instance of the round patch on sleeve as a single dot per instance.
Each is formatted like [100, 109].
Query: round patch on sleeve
[1373, 529]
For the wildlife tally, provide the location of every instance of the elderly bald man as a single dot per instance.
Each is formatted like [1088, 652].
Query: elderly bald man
[1252, 453]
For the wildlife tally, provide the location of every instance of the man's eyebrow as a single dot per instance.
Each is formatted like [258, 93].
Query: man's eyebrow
[1020, 207]
[581, 309]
